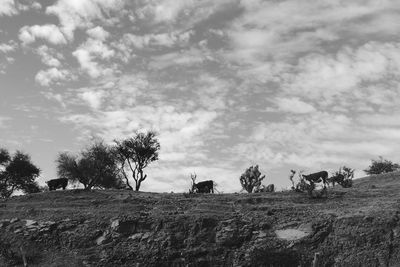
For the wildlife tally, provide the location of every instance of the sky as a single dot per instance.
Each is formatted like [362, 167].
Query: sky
[227, 84]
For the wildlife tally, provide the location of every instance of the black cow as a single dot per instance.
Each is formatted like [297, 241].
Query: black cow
[204, 187]
[57, 183]
[317, 177]
[339, 178]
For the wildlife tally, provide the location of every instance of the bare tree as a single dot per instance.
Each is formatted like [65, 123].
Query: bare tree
[135, 154]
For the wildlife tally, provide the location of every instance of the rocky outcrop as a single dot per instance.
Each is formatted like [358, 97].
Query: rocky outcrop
[282, 229]
[349, 241]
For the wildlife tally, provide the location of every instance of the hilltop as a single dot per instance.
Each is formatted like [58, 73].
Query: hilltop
[357, 226]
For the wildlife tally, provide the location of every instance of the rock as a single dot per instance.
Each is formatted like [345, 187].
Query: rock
[14, 220]
[104, 238]
[146, 236]
[136, 237]
[233, 233]
[290, 234]
[4, 223]
[31, 223]
[124, 227]
[115, 225]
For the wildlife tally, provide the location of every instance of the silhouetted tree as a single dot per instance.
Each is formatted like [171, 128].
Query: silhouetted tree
[135, 154]
[17, 173]
[251, 179]
[381, 166]
[96, 166]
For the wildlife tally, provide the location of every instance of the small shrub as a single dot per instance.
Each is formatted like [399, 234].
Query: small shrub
[251, 179]
[381, 166]
[344, 177]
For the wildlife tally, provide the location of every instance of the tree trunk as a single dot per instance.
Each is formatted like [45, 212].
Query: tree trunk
[127, 180]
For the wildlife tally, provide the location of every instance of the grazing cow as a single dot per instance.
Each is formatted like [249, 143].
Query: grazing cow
[317, 177]
[339, 178]
[57, 183]
[202, 187]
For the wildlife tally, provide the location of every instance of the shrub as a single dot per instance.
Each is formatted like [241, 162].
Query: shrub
[96, 166]
[381, 166]
[251, 179]
[344, 177]
[17, 173]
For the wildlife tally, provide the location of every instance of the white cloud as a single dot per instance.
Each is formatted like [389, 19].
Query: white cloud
[8, 47]
[49, 56]
[89, 52]
[8, 8]
[324, 77]
[170, 39]
[375, 120]
[93, 98]
[171, 11]
[294, 105]
[286, 29]
[98, 33]
[80, 13]
[49, 32]
[52, 76]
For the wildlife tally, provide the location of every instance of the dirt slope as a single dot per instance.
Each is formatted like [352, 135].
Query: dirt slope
[353, 227]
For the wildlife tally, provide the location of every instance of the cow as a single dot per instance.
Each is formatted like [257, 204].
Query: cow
[338, 178]
[57, 183]
[317, 177]
[203, 186]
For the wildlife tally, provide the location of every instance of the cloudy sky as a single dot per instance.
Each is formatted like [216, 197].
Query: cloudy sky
[286, 84]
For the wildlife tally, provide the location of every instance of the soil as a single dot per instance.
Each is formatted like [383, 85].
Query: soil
[356, 226]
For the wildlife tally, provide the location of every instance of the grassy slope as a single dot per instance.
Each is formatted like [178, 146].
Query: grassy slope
[369, 194]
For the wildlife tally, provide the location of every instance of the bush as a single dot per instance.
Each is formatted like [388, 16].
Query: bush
[96, 166]
[251, 179]
[17, 173]
[344, 177]
[381, 166]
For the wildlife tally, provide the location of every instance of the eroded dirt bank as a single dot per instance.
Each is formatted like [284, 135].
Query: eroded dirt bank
[353, 227]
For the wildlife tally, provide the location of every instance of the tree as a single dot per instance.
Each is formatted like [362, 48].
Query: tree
[381, 166]
[251, 179]
[96, 166]
[17, 173]
[135, 154]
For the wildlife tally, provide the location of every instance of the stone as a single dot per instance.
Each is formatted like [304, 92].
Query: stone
[290, 234]
[115, 225]
[14, 220]
[104, 238]
[31, 223]
[136, 237]
[123, 227]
